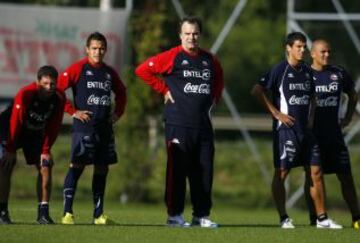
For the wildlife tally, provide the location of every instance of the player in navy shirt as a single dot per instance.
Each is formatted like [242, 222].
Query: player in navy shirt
[92, 82]
[330, 83]
[32, 123]
[191, 82]
[292, 88]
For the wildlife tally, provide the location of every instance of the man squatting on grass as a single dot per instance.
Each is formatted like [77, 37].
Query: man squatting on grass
[32, 122]
[292, 87]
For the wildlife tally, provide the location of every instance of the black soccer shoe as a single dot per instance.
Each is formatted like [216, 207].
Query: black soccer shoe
[4, 217]
[45, 219]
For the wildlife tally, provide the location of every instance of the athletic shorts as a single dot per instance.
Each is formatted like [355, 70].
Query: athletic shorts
[93, 148]
[334, 155]
[30, 141]
[292, 149]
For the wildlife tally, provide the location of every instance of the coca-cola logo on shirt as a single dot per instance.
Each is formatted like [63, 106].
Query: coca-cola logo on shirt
[330, 101]
[104, 100]
[204, 74]
[299, 100]
[197, 88]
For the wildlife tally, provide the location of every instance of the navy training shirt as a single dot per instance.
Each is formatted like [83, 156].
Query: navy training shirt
[291, 91]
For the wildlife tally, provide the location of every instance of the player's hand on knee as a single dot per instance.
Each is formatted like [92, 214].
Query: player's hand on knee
[46, 160]
[83, 116]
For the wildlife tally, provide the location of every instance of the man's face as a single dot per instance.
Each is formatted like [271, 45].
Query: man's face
[320, 53]
[47, 86]
[297, 50]
[189, 36]
[96, 51]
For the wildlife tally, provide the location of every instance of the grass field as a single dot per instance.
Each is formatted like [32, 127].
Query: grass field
[145, 223]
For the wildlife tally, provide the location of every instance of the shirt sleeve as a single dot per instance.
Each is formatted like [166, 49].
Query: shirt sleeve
[150, 70]
[120, 94]
[348, 83]
[66, 80]
[218, 81]
[52, 127]
[22, 99]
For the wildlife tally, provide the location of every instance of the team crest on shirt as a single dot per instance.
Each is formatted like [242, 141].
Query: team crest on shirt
[205, 63]
[290, 75]
[307, 75]
[107, 76]
[89, 73]
[184, 62]
[334, 77]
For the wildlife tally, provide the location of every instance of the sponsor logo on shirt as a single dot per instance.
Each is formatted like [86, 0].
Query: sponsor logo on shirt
[99, 85]
[184, 62]
[331, 88]
[204, 74]
[300, 86]
[197, 88]
[301, 100]
[330, 101]
[334, 77]
[104, 100]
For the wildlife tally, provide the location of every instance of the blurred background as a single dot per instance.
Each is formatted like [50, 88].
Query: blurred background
[247, 37]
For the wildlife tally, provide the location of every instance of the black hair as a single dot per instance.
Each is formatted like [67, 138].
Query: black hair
[294, 36]
[47, 71]
[96, 36]
[191, 20]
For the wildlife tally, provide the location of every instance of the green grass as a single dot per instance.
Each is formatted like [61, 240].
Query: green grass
[145, 223]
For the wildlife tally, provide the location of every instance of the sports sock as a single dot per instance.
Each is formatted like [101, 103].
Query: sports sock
[70, 184]
[3, 206]
[322, 217]
[98, 188]
[355, 218]
[283, 217]
[43, 209]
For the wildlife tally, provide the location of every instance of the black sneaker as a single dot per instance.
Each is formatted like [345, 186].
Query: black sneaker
[4, 217]
[45, 219]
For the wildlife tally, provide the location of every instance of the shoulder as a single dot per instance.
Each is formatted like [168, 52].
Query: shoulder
[279, 68]
[77, 65]
[335, 68]
[27, 91]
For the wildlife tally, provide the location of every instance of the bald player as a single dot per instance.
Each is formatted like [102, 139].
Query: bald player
[331, 82]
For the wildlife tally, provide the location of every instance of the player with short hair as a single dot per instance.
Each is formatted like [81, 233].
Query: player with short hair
[331, 81]
[292, 88]
[191, 81]
[92, 82]
[32, 122]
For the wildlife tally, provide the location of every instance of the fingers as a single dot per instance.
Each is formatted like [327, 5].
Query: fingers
[168, 97]
[83, 116]
[46, 160]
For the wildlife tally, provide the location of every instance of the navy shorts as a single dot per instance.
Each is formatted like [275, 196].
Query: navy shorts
[334, 155]
[292, 149]
[30, 141]
[93, 148]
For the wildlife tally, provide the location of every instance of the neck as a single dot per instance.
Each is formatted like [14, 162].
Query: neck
[317, 66]
[193, 51]
[293, 62]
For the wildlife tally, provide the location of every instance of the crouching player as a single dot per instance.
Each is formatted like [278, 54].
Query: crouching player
[31, 122]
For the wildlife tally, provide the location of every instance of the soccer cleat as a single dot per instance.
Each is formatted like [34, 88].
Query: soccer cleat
[103, 220]
[287, 224]
[45, 219]
[203, 222]
[356, 225]
[177, 221]
[68, 219]
[327, 224]
[4, 217]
